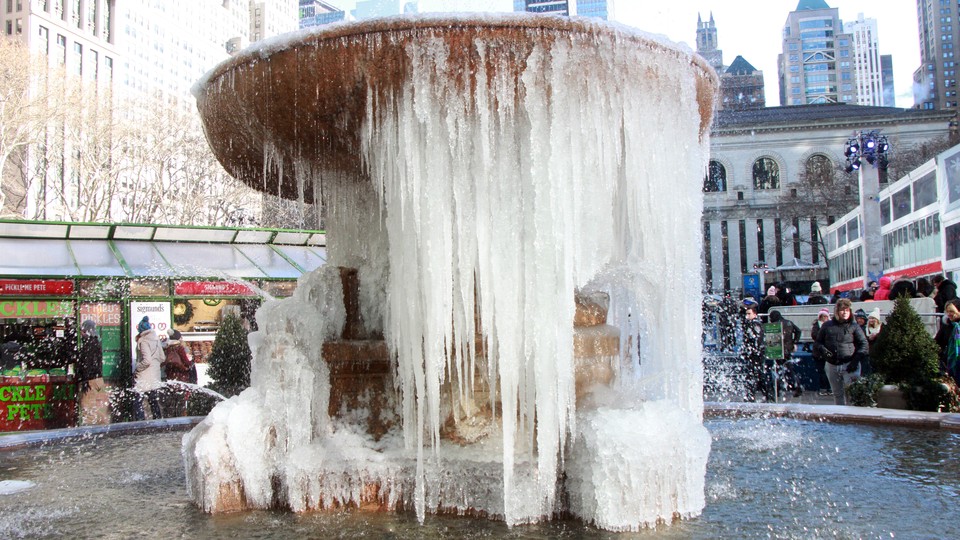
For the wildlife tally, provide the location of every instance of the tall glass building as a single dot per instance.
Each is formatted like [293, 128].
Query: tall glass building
[582, 8]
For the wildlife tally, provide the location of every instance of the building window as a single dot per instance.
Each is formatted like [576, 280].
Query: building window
[766, 174]
[44, 40]
[715, 181]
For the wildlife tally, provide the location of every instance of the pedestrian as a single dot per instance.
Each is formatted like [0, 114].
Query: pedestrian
[948, 337]
[753, 353]
[769, 301]
[903, 287]
[872, 331]
[92, 392]
[786, 296]
[842, 345]
[883, 291]
[925, 289]
[861, 317]
[178, 367]
[147, 373]
[816, 295]
[823, 384]
[791, 336]
[946, 291]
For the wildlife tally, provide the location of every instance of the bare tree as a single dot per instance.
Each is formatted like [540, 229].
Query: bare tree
[823, 192]
[903, 160]
[33, 97]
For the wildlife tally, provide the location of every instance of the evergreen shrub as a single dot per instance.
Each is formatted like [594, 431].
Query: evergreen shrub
[229, 362]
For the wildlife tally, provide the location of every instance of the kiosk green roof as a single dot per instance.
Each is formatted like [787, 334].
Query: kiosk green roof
[47, 249]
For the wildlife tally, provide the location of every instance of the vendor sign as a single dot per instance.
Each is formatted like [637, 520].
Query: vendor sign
[31, 405]
[35, 287]
[35, 309]
[212, 288]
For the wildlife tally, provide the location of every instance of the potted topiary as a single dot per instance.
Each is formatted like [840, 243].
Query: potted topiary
[905, 359]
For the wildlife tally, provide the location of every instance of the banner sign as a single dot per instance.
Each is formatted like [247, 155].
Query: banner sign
[102, 313]
[26, 406]
[159, 313]
[35, 309]
[212, 288]
[35, 287]
[773, 339]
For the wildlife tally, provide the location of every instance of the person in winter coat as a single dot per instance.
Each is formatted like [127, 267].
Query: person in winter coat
[903, 287]
[842, 344]
[883, 291]
[948, 337]
[147, 373]
[872, 331]
[816, 295]
[769, 301]
[822, 317]
[753, 353]
[89, 373]
[178, 367]
[946, 291]
[177, 363]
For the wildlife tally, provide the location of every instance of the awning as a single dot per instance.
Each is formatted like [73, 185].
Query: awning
[123, 250]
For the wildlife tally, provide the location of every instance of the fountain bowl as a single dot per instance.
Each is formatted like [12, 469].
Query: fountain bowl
[309, 92]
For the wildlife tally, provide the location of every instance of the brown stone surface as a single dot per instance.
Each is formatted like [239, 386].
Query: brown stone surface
[360, 375]
[230, 498]
[590, 312]
[308, 97]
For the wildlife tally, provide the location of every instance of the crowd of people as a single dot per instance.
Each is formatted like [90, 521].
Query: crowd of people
[842, 339]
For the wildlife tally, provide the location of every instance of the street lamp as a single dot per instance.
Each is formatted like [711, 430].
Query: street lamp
[872, 147]
[869, 145]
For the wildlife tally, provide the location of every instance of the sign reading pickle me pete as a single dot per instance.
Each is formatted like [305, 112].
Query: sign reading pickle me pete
[159, 313]
[26, 406]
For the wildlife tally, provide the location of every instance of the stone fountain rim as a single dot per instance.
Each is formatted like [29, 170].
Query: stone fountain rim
[263, 50]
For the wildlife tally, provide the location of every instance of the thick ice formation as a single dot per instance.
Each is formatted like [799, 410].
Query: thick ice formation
[493, 196]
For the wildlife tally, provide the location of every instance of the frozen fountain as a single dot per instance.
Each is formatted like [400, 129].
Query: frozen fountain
[509, 321]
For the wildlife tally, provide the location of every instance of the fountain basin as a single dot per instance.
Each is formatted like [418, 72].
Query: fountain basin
[765, 476]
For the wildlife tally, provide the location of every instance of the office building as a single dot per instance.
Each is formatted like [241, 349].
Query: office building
[582, 8]
[817, 62]
[935, 82]
[867, 68]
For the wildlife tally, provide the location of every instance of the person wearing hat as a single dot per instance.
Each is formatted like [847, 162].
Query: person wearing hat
[823, 384]
[872, 330]
[843, 345]
[146, 376]
[178, 367]
[861, 317]
[816, 295]
[769, 301]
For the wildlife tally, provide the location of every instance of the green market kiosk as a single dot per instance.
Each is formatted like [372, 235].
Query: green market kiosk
[54, 276]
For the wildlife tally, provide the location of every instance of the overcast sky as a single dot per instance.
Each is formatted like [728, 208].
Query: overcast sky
[750, 28]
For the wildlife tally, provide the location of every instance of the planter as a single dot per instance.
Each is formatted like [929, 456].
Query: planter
[891, 397]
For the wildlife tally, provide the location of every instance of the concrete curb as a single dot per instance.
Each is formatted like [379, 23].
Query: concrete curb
[36, 438]
[836, 413]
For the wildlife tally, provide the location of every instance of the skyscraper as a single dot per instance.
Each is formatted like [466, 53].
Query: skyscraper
[935, 82]
[886, 77]
[816, 65]
[868, 75]
[582, 8]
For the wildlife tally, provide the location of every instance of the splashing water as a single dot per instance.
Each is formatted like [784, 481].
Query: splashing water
[499, 181]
